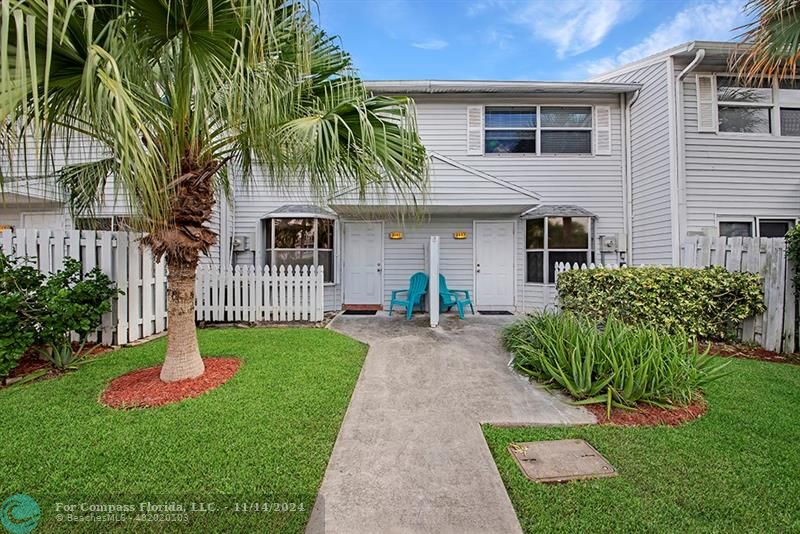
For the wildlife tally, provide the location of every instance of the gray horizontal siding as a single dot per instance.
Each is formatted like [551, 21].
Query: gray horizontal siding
[729, 174]
[651, 229]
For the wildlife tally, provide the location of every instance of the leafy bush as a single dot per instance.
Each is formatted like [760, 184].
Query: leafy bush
[40, 310]
[708, 303]
[793, 253]
[18, 286]
[619, 365]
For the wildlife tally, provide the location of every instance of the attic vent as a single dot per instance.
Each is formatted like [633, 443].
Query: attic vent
[602, 126]
[706, 107]
[475, 130]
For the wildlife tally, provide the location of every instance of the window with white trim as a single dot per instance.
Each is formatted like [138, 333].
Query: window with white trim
[743, 109]
[300, 241]
[110, 223]
[755, 227]
[538, 130]
[549, 240]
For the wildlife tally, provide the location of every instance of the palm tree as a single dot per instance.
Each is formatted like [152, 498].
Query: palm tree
[772, 41]
[176, 92]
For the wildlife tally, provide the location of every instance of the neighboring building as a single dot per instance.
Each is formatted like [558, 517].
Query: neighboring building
[707, 156]
[524, 174]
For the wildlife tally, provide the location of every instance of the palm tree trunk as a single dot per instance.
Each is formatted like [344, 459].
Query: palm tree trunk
[183, 354]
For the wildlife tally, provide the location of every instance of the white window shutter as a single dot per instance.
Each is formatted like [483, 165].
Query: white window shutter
[475, 130]
[706, 103]
[602, 130]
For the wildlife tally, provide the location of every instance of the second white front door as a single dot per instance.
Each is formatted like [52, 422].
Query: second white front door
[494, 265]
[363, 263]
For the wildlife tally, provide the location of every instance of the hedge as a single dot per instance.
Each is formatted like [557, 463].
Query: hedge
[707, 303]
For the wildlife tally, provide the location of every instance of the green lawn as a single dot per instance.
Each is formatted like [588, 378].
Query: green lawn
[737, 469]
[266, 435]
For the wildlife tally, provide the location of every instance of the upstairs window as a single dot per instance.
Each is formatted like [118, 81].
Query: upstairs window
[538, 130]
[300, 241]
[743, 109]
[550, 240]
[510, 130]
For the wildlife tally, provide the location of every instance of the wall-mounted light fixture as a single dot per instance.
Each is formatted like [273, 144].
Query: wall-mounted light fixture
[395, 235]
[459, 235]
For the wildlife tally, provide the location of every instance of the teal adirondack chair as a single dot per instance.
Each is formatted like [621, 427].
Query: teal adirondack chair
[454, 297]
[417, 287]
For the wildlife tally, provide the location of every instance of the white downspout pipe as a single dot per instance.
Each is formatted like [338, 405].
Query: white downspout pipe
[680, 156]
[628, 175]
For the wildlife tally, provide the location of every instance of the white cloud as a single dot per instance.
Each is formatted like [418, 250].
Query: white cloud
[431, 44]
[712, 20]
[573, 26]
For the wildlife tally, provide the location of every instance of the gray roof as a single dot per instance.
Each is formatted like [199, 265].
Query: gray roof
[494, 86]
[297, 210]
[559, 210]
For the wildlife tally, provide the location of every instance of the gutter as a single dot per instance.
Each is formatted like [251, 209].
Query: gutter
[679, 161]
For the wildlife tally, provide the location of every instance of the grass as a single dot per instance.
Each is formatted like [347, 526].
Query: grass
[734, 470]
[265, 436]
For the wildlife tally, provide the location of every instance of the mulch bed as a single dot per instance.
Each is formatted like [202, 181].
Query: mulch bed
[144, 389]
[751, 353]
[647, 415]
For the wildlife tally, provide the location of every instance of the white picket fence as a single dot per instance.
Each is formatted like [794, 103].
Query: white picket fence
[248, 294]
[140, 312]
[775, 329]
[222, 295]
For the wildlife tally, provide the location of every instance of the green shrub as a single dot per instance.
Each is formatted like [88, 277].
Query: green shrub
[619, 365]
[42, 311]
[793, 253]
[707, 303]
[18, 286]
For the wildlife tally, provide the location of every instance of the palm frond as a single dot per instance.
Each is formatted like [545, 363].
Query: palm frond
[771, 42]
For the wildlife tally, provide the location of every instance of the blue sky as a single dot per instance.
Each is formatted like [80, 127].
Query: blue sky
[517, 39]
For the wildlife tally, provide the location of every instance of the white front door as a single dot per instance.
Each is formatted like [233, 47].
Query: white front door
[494, 265]
[363, 257]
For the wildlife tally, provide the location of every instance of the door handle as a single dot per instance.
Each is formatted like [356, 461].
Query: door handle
[478, 268]
[379, 267]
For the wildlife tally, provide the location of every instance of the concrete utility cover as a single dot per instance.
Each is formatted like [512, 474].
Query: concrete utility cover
[560, 460]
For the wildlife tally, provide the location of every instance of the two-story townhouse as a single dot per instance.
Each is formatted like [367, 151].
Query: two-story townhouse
[522, 175]
[708, 157]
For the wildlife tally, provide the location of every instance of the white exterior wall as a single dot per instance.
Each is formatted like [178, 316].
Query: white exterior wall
[651, 161]
[736, 174]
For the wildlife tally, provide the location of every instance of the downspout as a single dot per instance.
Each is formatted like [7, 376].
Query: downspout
[679, 222]
[627, 179]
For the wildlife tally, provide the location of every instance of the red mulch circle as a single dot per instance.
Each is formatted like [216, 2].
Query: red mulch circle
[647, 415]
[144, 389]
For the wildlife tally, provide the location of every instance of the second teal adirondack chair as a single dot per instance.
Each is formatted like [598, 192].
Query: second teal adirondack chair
[454, 297]
[417, 287]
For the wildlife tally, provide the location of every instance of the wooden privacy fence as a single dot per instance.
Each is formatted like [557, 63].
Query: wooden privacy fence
[245, 293]
[775, 329]
[222, 295]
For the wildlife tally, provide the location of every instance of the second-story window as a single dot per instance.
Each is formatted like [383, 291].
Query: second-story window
[538, 130]
[743, 109]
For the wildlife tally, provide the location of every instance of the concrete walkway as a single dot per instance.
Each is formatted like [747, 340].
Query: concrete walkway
[410, 456]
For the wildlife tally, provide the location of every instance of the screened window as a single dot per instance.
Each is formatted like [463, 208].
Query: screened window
[510, 130]
[736, 229]
[566, 130]
[550, 240]
[774, 227]
[538, 129]
[790, 121]
[743, 109]
[300, 241]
